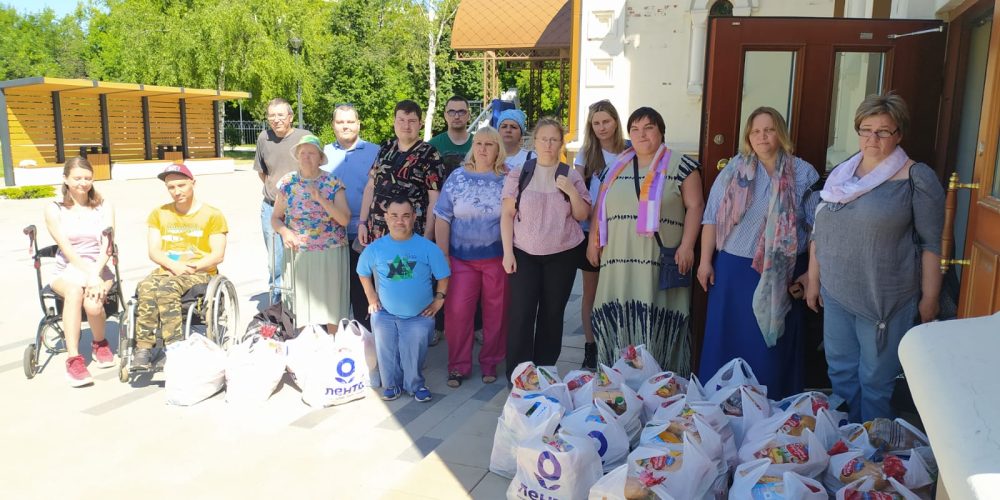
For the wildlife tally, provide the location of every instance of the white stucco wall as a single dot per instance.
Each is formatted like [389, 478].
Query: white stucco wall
[651, 53]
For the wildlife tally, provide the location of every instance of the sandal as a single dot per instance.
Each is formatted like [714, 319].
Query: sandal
[489, 379]
[455, 379]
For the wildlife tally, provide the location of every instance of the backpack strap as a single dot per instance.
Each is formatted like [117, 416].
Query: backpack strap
[527, 171]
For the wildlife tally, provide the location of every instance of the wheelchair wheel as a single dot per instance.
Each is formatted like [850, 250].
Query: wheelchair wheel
[51, 338]
[126, 332]
[222, 311]
[30, 361]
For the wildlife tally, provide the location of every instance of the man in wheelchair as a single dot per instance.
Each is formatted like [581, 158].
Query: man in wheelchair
[187, 240]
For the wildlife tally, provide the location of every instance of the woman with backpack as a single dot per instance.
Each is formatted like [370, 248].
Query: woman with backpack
[543, 204]
[645, 224]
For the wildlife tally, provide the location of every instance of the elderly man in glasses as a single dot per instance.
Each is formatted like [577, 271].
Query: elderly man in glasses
[453, 144]
[273, 160]
[350, 159]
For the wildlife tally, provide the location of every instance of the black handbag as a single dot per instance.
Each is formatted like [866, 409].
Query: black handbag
[670, 273]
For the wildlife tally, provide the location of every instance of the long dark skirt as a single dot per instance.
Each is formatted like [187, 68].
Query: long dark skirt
[731, 329]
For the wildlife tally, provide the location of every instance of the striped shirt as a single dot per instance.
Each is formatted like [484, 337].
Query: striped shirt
[742, 240]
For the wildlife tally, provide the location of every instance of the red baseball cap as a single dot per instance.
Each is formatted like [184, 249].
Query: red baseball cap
[176, 168]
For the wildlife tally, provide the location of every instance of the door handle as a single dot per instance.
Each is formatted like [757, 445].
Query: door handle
[722, 164]
[947, 238]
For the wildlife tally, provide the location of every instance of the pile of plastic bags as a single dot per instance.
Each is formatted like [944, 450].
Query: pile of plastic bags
[632, 431]
[329, 369]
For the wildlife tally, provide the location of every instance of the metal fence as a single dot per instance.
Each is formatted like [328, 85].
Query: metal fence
[248, 130]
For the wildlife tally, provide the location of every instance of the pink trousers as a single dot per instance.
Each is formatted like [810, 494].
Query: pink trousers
[473, 281]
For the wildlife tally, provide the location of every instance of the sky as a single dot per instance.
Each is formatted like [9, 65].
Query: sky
[61, 7]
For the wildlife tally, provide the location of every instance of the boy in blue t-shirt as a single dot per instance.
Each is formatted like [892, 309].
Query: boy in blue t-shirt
[403, 304]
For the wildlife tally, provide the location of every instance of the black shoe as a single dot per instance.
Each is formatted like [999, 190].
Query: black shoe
[142, 359]
[589, 356]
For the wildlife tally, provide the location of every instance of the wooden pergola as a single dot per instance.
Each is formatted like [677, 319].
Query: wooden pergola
[44, 121]
[523, 34]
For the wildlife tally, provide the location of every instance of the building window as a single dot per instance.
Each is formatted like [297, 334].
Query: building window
[722, 8]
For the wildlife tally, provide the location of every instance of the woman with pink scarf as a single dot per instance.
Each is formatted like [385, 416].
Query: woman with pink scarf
[753, 246]
[648, 205]
[875, 257]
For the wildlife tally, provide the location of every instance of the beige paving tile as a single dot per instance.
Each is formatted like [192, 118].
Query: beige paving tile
[433, 477]
[491, 487]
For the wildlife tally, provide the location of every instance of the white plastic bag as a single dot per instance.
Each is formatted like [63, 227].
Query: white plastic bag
[868, 484]
[747, 484]
[253, 369]
[918, 472]
[560, 466]
[368, 339]
[657, 389]
[810, 403]
[609, 386]
[301, 350]
[611, 486]
[733, 374]
[533, 415]
[788, 454]
[683, 407]
[600, 424]
[745, 405]
[530, 379]
[336, 372]
[637, 365]
[670, 433]
[670, 473]
[195, 370]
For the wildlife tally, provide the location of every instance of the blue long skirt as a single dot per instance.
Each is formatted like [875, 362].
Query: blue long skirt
[731, 329]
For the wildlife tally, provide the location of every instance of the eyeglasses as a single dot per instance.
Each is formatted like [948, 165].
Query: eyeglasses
[550, 140]
[278, 116]
[881, 134]
[457, 112]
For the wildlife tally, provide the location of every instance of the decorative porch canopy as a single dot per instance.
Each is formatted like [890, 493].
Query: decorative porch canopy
[44, 120]
[519, 31]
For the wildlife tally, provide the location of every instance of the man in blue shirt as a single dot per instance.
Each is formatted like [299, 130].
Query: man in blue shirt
[403, 304]
[350, 158]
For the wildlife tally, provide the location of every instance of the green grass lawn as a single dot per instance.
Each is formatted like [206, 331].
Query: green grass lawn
[239, 155]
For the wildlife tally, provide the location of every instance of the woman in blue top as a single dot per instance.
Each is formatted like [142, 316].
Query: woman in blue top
[757, 220]
[468, 232]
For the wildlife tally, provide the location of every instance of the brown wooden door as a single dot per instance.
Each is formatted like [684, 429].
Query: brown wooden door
[980, 293]
[815, 72]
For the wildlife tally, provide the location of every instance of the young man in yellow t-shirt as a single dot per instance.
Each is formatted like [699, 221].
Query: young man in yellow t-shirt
[187, 240]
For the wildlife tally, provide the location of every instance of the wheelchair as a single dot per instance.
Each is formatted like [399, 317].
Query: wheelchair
[211, 309]
[49, 337]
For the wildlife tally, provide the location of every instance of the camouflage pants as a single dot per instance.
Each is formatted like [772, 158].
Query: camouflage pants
[159, 305]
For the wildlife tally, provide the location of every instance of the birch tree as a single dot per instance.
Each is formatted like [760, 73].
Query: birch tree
[440, 14]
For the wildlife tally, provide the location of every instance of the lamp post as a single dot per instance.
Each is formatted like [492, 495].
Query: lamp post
[296, 44]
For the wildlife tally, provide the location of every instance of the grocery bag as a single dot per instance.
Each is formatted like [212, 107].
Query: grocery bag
[671, 432]
[864, 489]
[637, 365]
[528, 378]
[253, 369]
[609, 386]
[810, 403]
[752, 481]
[745, 405]
[733, 374]
[336, 372]
[600, 424]
[657, 389]
[686, 473]
[681, 406]
[368, 339]
[611, 486]
[909, 469]
[786, 453]
[301, 350]
[555, 466]
[195, 369]
[533, 415]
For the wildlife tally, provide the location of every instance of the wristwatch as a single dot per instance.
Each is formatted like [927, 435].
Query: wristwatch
[440, 295]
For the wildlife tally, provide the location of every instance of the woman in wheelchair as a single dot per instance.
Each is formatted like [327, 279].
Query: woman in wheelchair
[82, 277]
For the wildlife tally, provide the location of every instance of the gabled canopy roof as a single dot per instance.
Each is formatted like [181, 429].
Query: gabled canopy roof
[512, 25]
[94, 87]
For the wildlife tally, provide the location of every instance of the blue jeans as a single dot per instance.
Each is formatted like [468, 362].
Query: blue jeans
[864, 377]
[401, 345]
[269, 237]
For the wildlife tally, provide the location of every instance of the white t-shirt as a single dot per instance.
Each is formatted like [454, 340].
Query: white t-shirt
[517, 159]
[595, 181]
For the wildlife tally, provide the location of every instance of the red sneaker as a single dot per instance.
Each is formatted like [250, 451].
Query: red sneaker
[76, 372]
[101, 354]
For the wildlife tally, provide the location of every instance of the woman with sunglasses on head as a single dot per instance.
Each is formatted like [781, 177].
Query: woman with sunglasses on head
[753, 247]
[874, 257]
[650, 204]
[602, 142]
